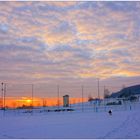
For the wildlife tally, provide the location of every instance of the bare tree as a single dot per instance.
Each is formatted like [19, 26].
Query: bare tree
[90, 98]
[106, 93]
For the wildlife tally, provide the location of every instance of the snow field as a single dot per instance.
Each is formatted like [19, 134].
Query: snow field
[72, 125]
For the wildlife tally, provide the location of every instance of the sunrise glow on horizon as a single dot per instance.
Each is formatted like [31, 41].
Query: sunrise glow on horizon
[15, 102]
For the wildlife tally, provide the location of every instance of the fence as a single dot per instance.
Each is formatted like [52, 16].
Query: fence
[50, 97]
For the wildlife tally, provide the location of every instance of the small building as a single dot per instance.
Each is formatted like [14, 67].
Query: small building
[113, 101]
[66, 100]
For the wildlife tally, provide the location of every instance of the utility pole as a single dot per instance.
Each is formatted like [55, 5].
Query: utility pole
[98, 91]
[2, 93]
[58, 95]
[32, 97]
[104, 91]
[98, 88]
[104, 94]
[82, 98]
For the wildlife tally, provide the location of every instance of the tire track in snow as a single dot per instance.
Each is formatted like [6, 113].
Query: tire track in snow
[5, 136]
[128, 129]
[115, 129]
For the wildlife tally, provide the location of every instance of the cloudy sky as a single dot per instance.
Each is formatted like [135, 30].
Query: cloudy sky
[70, 42]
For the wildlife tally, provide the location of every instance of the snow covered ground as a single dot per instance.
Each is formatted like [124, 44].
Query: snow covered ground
[122, 124]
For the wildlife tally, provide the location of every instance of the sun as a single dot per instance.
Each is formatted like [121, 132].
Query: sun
[28, 101]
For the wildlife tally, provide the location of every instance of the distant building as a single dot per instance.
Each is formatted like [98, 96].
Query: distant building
[113, 101]
[66, 100]
[96, 101]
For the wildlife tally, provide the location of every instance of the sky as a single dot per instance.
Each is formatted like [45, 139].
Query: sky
[72, 43]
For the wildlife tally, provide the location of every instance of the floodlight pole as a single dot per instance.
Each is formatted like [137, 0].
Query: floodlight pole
[104, 91]
[2, 93]
[32, 97]
[104, 94]
[82, 98]
[98, 88]
[58, 95]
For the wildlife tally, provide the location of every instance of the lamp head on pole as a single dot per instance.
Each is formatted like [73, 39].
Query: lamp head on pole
[2, 86]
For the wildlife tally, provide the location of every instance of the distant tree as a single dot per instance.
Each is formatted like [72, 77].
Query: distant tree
[44, 103]
[106, 93]
[90, 98]
[126, 93]
[123, 86]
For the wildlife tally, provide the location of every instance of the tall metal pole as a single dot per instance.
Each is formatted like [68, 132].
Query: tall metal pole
[4, 94]
[98, 88]
[98, 91]
[2, 89]
[32, 97]
[58, 95]
[82, 98]
[104, 95]
[104, 91]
